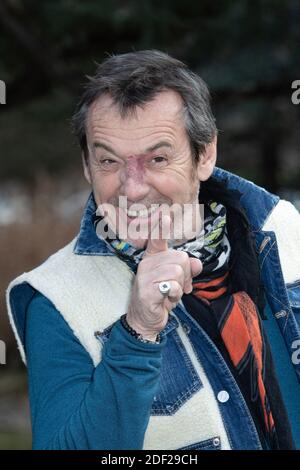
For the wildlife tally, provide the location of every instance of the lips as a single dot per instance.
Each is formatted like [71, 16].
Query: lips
[143, 214]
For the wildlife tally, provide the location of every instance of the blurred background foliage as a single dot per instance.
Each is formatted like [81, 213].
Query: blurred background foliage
[247, 51]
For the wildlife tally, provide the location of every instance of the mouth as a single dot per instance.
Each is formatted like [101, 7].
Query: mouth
[142, 214]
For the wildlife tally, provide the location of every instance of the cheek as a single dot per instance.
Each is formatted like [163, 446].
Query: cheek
[106, 187]
[179, 185]
[167, 185]
[176, 178]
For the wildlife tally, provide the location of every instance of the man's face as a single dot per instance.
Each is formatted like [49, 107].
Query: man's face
[145, 157]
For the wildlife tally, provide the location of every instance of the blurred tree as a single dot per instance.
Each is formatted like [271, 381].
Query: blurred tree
[247, 51]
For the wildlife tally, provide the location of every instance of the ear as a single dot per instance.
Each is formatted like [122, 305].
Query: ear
[207, 161]
[86, 168]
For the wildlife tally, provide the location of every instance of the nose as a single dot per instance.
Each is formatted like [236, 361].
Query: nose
[134, 183]
[134, 190]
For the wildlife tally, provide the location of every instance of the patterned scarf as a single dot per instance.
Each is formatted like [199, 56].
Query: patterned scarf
[211, 246]
[240, 327]
[235, 314]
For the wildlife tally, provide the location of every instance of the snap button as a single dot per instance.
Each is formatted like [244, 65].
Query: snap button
[186, 328]
[281, 314]
[223, 396]
[216, 442]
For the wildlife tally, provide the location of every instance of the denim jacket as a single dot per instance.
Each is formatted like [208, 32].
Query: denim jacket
[283, 300]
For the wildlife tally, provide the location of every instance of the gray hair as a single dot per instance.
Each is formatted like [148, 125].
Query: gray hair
[134, 79]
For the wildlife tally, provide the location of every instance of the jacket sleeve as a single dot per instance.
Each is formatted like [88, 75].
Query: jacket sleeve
[284, 221]
[75, 405]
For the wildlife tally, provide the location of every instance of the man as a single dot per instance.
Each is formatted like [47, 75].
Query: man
[135, 339]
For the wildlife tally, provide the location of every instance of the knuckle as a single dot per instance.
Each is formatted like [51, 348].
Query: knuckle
[177, 271]
[183, 256]
[177, 290]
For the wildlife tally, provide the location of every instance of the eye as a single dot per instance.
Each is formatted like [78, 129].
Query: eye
[159, 159]
[107, 162]
[108, 165]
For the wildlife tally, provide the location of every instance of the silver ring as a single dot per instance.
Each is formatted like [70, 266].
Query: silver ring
[164, 288]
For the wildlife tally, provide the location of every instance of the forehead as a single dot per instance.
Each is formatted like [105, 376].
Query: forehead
[163, 113]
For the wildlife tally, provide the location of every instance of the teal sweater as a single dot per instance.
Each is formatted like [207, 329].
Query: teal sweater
[286, 374]
[69, 397]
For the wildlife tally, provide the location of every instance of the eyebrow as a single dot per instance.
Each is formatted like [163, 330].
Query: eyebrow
[100, 145]
[163, 143]
[109, 149]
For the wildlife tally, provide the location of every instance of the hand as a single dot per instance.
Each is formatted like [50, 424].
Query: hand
[149, 309]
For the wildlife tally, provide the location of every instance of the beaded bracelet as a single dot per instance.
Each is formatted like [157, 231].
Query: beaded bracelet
[137, 335]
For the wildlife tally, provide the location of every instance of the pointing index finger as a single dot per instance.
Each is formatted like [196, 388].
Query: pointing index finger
[158, 237]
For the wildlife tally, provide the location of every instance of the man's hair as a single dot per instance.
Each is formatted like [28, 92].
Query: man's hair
[134, 79]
